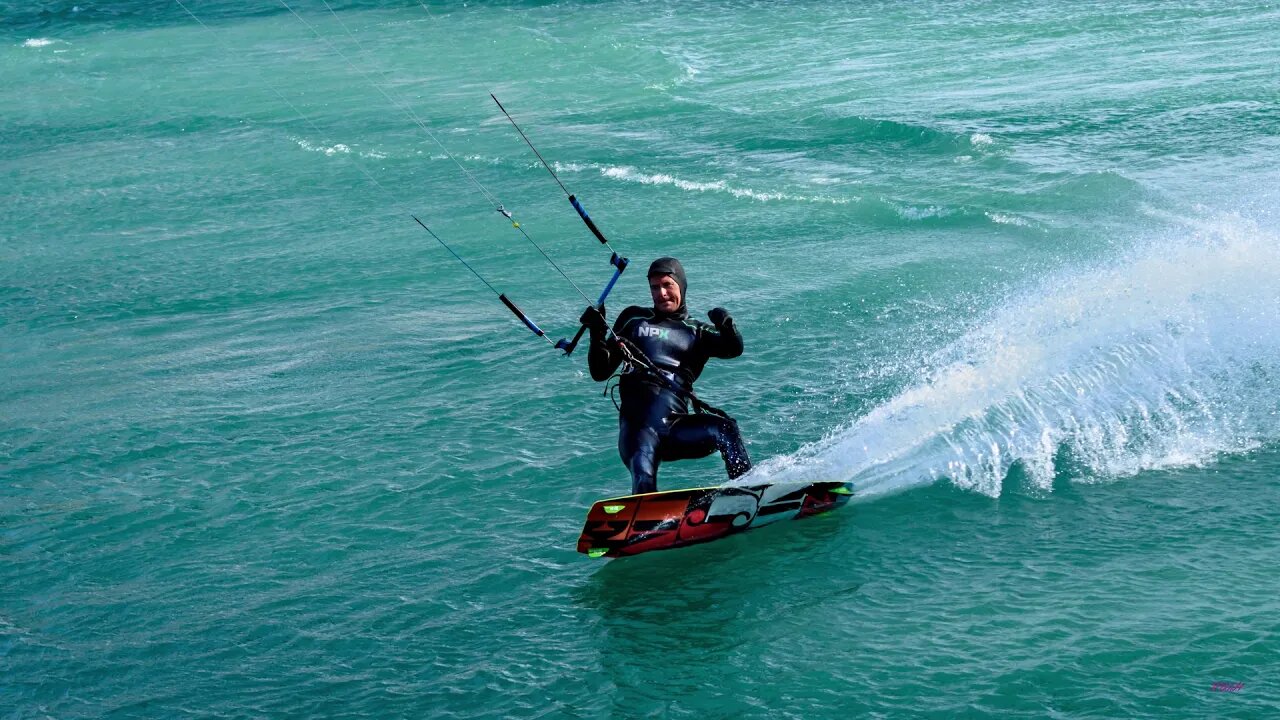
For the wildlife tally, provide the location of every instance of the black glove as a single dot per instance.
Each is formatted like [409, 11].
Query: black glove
[720, 318]
[594, 319]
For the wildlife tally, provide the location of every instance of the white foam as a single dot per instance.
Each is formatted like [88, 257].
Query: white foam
[38, 42]
[1007, 219]
[690, 72]
[631, 174]
[980, 140]
[337, 149]
[910, 212]
[1162, 359]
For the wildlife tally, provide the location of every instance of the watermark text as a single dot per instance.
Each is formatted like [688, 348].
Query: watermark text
[1227, 686]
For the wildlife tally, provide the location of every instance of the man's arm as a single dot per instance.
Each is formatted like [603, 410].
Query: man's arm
[725, 341]
[603, 357]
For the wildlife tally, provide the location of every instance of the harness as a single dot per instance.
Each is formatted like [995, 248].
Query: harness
[637, 361]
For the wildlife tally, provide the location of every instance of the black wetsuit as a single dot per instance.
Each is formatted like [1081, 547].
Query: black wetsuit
[655, 423]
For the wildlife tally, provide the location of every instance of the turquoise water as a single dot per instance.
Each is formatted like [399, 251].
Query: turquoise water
[268, 450]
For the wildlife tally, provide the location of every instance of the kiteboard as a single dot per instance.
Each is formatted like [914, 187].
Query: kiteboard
[636, 524]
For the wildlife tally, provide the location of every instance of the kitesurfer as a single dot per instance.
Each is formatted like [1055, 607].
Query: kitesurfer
[654, 421]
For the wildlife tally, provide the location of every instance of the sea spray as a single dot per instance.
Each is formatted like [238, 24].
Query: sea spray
[1167, 356]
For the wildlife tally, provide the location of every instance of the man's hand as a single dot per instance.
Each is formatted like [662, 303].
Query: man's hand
[719, 317]
[594, 319]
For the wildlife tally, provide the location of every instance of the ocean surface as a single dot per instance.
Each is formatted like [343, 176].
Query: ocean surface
[269, 450]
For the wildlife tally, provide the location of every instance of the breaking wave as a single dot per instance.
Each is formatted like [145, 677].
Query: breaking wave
[1167, 358]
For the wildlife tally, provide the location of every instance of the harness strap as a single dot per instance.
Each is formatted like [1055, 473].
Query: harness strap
[636, 358]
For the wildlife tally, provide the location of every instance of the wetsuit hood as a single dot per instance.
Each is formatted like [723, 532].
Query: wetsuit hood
[671, 266]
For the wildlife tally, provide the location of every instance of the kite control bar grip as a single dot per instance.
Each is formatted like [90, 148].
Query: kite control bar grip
[573, 200]
[523, 318]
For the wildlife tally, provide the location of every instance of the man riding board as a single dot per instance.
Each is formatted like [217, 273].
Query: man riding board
[665, 352]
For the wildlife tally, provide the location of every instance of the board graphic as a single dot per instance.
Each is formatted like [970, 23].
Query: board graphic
[635, 524]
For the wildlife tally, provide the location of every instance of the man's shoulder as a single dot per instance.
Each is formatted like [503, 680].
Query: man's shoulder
[700, 326]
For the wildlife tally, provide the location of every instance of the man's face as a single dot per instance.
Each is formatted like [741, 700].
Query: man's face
[665, 292]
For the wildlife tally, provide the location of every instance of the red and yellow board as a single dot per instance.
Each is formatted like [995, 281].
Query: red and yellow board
[636, 524]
